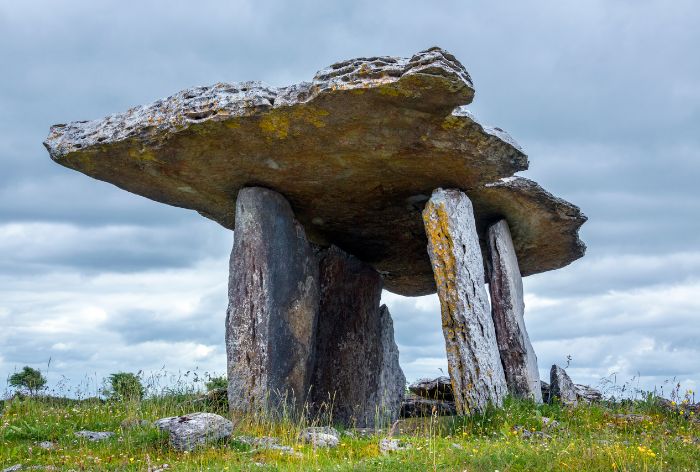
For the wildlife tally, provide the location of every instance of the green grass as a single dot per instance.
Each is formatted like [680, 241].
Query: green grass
[589, 438]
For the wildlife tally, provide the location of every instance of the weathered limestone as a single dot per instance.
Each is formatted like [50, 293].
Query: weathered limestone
[195, 429]
[439, 388]
[507, 309]
[561, 387]
[472, 352]
[356, 151]
[357, 372]
[392, 381]
[273, 305]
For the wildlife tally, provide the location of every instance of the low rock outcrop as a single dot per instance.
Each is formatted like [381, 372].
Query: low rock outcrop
[94, 435]
[320, 436]
[439, 388]
[414, 406]
[195, 429]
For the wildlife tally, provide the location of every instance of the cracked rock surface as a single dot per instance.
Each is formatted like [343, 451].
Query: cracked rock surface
[357, 151]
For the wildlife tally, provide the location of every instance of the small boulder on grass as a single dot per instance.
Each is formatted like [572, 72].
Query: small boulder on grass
[321, 436]
[189, 431]
[94, 435]
[387, 445]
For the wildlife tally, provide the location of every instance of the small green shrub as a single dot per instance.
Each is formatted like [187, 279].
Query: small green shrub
[125, 386]
[217, 382]
[28, 378]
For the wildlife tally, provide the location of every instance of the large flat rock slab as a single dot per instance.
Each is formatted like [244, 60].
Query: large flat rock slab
[357, 152]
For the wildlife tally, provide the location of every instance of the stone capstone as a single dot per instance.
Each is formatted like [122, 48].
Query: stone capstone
[439, 388]
[508, 309]
[587, 393]
[357, 374]
[472, 351]
[357, 151]
[273, 305]
[194, 429]
[561, 387]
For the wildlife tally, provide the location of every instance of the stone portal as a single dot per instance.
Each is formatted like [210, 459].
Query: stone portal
[356, 151]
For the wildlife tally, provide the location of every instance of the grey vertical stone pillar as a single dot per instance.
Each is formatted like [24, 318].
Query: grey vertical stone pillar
[273, 305]
[508, 309]
[472, 352]
[357, 378]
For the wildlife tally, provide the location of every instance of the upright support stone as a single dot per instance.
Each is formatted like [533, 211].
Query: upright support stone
[357, 375]
[273, 305]
[472, 352]
[508, 309]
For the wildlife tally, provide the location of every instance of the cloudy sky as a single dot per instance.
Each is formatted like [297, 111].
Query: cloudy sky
[603, 95]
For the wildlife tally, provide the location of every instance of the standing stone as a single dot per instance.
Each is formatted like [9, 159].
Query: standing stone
[507, 309]
[273, 305]
[472, 352]
[392, 381]
[357, 375]
[561, 387]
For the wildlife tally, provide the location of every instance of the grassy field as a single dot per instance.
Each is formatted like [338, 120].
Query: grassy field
[587, 438]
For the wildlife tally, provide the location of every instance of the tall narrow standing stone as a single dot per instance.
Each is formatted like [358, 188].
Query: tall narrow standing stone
[472, 352]
[273, 305]
[508, 309]
[357, 374]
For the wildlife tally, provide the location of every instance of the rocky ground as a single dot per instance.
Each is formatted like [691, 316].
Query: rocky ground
[190, 432]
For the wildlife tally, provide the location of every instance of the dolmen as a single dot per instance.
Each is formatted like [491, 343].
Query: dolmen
[374, 175]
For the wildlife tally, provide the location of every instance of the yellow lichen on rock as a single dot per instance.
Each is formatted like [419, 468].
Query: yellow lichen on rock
[275, 124]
